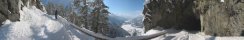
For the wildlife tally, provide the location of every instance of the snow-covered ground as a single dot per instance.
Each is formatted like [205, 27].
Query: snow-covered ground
[134, 31]
[222, 0]
[35, 24]
[172, 34]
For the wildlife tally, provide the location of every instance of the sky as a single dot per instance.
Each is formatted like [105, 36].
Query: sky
[126, 8]
[64, 2]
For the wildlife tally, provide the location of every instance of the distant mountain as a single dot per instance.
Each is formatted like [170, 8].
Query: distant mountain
[115, 23]
[134, 26]
[136, 22]
[116, 20]
[122, 26]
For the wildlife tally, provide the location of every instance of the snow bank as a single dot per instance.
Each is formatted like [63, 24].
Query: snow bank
[184, 35]
[6, 22]
[152, 31]
[134, 31]
[222, 0]
[16, 33]
[35, 24]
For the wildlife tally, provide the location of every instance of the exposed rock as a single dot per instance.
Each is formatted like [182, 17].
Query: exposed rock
[36, 3]
[9, 9]
[217, 17]
[224, 18]
[171, 14]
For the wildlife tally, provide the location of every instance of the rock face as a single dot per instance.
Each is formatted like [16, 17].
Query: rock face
[9, 9]
[214, 17]
[36, 3]
[171, 14]
[224, 18]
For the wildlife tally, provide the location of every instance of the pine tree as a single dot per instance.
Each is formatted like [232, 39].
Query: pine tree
[94, 15]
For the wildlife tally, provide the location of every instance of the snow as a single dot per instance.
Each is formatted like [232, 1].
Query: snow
[222, 0]
[35, 24]
[146, 2]
[152, 31]
[6, 22]
[147, 14]
[90, 0]
[184, 35]
[132, 30]
[90, 33]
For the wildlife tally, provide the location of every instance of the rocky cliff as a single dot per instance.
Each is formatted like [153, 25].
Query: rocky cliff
[170, 14]
[9, 9]
[214, 17]
[221, 17]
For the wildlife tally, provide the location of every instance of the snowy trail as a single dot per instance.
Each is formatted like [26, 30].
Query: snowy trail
[173, 34]
[96, 35]
[36, 25]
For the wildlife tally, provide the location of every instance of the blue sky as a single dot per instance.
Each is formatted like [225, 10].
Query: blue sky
[128, 8]
[125, 8]
[63, 2]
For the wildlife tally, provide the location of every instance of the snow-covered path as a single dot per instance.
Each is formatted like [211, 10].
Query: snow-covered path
[173, 34]
[37, 25]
